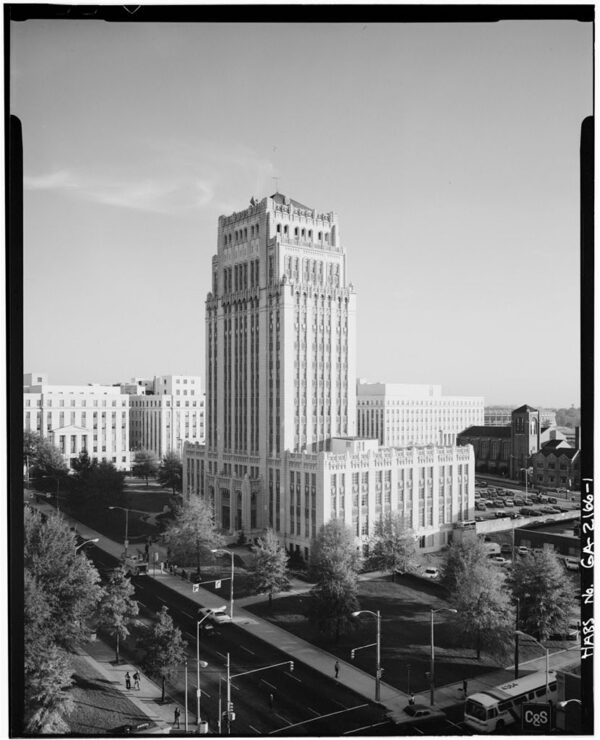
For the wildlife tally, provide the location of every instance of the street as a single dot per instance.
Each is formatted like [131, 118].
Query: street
[304, 702]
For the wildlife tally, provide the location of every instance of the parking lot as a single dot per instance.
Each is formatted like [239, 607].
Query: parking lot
[496, 502]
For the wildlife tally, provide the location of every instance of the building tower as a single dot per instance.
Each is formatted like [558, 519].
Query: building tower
[280, 349]
[525, 439]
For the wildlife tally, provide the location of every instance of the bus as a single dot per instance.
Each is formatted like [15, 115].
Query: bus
[493, 709]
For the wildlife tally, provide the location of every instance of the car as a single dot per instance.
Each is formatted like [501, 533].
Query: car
[522, 550]
[216, 615]
[556, 509]
[499, 560]
[518, 501]
[431, 572]
[525, 511]
[508, 502]
[571, 563]
[498, 502]
[549, 521]
[501, 514]
[547, 510]
[490, 504]
[417, 710]
[527, 501]
[563, 509]
[480, 519]
[501, 492]
[514, 515]
[552, 500]
[480, 506]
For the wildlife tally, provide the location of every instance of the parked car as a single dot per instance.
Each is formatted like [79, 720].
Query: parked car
[499, 560]
[514, 515]
[417, 710]
[562, 509]
[522, 550]
[527, 502]
[431, 572]
[216, 615]
[547, 510]
[498, 502]
[518, 501]
[527, 511]
[490, 504]
[552, 500]
[501, 514]
[480, 506]
[508, 502]
[480, 519]
[571, 563]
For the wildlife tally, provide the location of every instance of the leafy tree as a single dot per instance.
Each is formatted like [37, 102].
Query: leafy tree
[193, 532]
[47, 676]
[117, 607]
[393, 544]
[62, 576]
[46, 463]
[485, 614]
[96, 484]
[545, 596]
[82, 465]
[165, 649]
[270, 566]
[463, 556]
[334, 562]
[145, 464]
[170, 471]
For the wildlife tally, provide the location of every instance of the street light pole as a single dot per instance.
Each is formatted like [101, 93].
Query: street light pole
[432, 661]
[228, 696]
[199, 664]
[126, 525]
[537, 642]
[87, 542]
[228, 552]
[377, 616]
[186, 698]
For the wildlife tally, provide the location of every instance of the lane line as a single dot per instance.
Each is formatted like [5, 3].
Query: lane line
[450, 722]
[191, 616]
[339, 703]
[246, 649]
[234, 686]
[221, 654]
[291, 675]
[258, 732]
[419, 731]
[322, 716]
[310, 709]
[270, 685]
[366, 727]
[283, 718]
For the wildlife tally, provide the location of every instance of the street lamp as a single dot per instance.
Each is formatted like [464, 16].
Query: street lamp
[126, 524]
[432, 663]
[87, 542]
[524, 634]
[228, 552]
[377, 616]
[199, 664]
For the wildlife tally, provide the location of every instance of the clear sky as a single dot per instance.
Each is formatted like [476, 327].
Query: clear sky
[449, 152]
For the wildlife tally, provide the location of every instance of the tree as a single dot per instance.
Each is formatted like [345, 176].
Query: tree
[334, 562]
[393, 544]
[96, 484]
[46, 701]
[463, 556]
[545, 596]
[193, 533]
[170, 471]
[165, 649]
[65, 579]
[270, 566]
[145, 465]
[46, 463]
[485, 612]
[117, 607]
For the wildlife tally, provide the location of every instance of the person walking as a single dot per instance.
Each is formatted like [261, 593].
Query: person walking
[136, 681]
[127, 680]
[337, 668]
[176, 717]
[271, 702]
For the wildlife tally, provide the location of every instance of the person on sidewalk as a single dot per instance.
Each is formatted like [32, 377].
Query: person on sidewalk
[136, 681]
[127, 681]
[176, 718]
[337, 668]
[271, 702]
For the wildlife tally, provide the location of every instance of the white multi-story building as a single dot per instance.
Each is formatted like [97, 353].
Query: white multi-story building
[77, 417]
[281, 394]
[402, 414]
[165, 412]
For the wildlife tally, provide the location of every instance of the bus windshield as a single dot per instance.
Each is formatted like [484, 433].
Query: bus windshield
[475, 709]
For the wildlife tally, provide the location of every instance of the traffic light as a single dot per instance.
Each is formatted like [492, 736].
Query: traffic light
[352, 654]
[292, 666]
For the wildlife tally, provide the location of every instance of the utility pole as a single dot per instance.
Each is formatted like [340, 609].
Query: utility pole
[228, 697]
[517, 639]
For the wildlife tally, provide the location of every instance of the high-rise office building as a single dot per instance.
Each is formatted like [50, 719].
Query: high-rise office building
[280, 446]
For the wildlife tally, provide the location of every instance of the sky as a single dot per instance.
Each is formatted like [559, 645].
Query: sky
[450, 153]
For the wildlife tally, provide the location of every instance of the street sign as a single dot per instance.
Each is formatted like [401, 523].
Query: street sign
[536, 718]
[217, 584]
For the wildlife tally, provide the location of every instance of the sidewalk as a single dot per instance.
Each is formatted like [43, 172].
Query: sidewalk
[100, 657]
[393, 700]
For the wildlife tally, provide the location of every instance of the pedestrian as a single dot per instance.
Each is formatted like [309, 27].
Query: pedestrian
[127, 680]
[411, 701]
[176, 718]
[271, 702]
[337, 668]
[136, 681]
[465, 685]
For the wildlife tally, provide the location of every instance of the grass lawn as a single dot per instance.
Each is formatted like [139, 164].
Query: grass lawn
[405, 635]
[99, 707]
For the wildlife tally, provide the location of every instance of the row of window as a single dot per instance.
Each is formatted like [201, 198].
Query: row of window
[241, 235]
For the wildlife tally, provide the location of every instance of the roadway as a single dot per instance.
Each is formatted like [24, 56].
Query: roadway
[304, 701]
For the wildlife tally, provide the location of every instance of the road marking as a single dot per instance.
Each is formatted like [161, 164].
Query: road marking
[283, 718]
[450, 722]
[221, 654]
[294, 677]
[339, 703]
[366, 727]
[246, 649]
[233, 686]
[310, 709]
[204, 693]
[258, 732]
[419, 731]
[322, 716]
[270, 685]
[191, 616]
